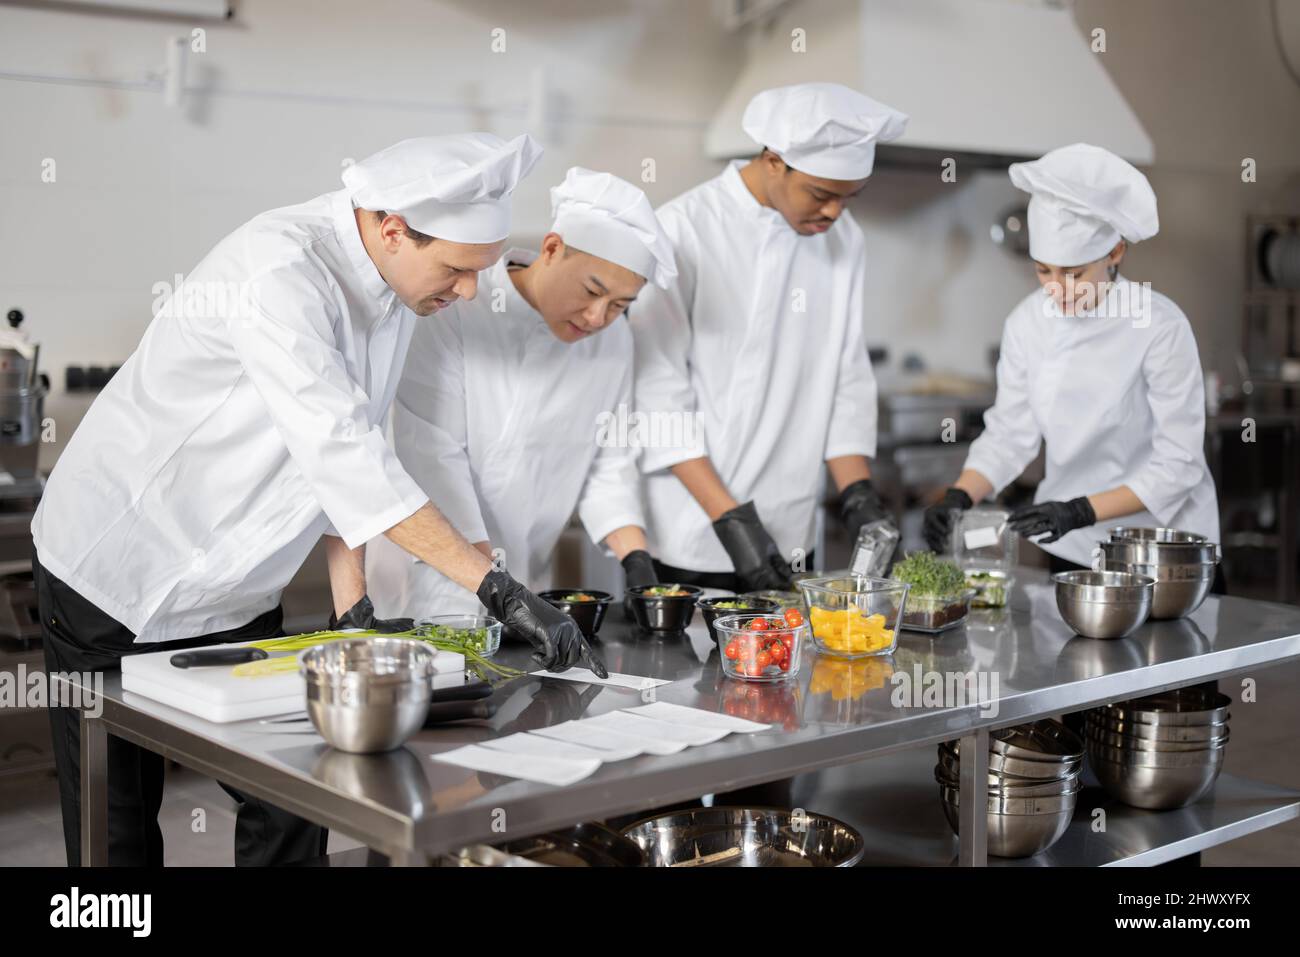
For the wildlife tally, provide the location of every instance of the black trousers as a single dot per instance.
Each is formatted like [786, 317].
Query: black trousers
[78, 637]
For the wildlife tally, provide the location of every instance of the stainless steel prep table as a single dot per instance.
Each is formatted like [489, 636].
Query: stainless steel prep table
[413, 809]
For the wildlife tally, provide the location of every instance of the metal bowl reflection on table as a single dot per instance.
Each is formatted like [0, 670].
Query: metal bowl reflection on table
[1103, 604]
[746, 837]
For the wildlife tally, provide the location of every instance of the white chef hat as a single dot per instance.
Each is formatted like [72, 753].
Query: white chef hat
[822, 129]
[1084, 200]
[455, 187]
[610, 218]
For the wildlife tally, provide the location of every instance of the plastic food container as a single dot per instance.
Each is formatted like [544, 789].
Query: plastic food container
[768, 652]
[936, 613]
[480, 632]
[655, 610]
[874, 551]
[992, 587]
[982, 539]
[855, 616]
[586, 606]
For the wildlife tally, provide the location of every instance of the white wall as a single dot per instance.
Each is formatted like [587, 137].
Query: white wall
[1206, 81]
[287, 91]
[293, 87]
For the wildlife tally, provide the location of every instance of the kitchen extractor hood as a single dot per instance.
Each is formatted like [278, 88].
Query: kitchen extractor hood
[987, 82]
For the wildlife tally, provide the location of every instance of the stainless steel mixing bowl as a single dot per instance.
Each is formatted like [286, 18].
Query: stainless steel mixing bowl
[1182, 706]
[1112, 739]
[1157, 788]
[1018, 827]
[1103, 604]
[745, 837]
[1158, 732]
[1180, 587]
[368, 694]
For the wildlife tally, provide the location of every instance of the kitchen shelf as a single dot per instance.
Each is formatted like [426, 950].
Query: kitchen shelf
[894, 802]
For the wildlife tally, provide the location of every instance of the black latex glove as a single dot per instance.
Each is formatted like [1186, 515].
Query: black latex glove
[557, 642]
[1054, 518]
[362, 615]
[639, 570]
[861, 505]
[753, 552]
[936, 528]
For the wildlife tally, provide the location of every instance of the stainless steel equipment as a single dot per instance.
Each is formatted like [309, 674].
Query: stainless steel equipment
[1183, 565]
[1162, 751]
[745, 837]
[1103, 604]
[22, 410]
[368, 694]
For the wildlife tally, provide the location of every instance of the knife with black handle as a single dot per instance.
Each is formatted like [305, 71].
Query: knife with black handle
[216, 656]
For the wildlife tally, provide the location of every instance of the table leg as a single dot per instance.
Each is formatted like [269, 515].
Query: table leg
[94, 792]
[972, 815]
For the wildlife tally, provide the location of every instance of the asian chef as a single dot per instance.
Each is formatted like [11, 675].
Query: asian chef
[758, 347]
[1099, 367]
[509, 407]
[246, 426]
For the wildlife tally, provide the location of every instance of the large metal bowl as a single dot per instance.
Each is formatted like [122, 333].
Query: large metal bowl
[1012, 787]
[1182, 706]
[745, 837]
[1113, 739]
[1018, 827]
[1045, 740]
[1154, 553]
[1154, 759]
[1159, 536]
[1100, 718]
[1156, 788]
[1180, 588]
[583, 845]
[1005, 766]
[367, 694]
[1103, 604]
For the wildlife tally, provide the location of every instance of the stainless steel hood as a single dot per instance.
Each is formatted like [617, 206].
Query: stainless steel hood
[985, 81]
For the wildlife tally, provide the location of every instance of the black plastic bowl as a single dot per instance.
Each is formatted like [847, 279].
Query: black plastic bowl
[663, 612]
[588, 614]
[748, 606]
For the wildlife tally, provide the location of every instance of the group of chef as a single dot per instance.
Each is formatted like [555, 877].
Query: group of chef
[229, 445]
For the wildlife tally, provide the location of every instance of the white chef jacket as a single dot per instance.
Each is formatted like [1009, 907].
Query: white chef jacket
[762, 337]
[501, 424]
[1119, 400]
[233, 438]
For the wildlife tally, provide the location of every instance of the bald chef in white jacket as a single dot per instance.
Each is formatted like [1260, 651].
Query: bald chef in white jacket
[1100, 368]
[246, 425]
[509, 407]
[758, 349]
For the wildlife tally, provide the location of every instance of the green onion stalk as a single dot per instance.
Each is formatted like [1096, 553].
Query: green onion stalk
[485, 668]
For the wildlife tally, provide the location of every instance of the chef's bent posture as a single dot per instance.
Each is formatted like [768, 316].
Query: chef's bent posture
[240, 432]
[508, 407]
[1098, 367]
[758, 347]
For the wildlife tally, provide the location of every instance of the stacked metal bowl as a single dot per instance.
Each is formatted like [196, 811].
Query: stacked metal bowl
[1183, 565]
[1033, 781]
[1162, 751]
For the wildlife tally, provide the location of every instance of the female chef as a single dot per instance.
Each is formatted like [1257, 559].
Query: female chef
[1099, 367]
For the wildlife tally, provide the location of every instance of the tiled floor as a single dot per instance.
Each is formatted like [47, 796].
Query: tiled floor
[1265, 745]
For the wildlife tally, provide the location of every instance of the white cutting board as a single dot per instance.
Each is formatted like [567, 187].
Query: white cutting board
[217, 694]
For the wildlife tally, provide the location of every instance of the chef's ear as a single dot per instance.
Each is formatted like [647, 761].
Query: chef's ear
[1115, 258]
[553, 248]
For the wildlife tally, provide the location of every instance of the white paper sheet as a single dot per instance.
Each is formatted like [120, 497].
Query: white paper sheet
[589, 732]
[690, 735]
[696, 717]
[650, 743]
[534, 744]
[615, 680]
[983, 537]
[543, 770]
